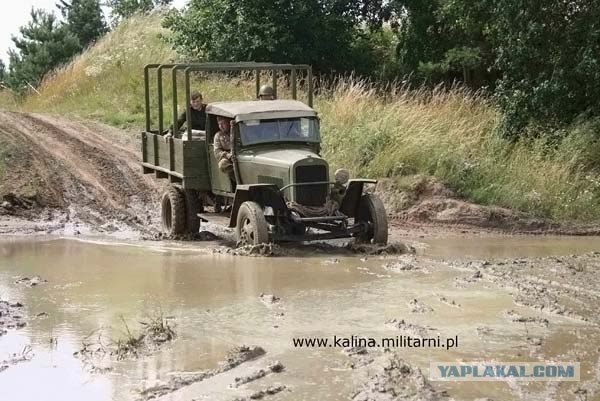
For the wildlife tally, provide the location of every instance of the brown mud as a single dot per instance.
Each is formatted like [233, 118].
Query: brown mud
[388, 377]
[429, 207]
[557, 285]
[11, 316]
[72, 177]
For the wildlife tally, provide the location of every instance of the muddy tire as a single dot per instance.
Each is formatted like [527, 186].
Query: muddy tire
[192, 208]
[173, 211]
[372, 211]
[252, 227]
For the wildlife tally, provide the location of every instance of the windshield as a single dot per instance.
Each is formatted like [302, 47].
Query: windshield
[301, 129]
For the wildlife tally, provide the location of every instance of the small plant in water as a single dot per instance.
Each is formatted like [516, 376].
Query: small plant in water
[156, 331]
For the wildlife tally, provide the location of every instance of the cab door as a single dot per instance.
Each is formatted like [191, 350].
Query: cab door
[221, 185]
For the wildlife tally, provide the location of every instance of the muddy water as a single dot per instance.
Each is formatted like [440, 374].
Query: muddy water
[518, 246]
[213, 300]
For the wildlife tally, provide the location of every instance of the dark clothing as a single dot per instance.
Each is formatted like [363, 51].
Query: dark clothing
[198, 119]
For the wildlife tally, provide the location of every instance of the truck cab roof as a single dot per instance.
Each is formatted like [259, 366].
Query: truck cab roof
[261, 109]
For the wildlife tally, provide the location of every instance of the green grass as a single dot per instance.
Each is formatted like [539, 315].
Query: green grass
[395, 133]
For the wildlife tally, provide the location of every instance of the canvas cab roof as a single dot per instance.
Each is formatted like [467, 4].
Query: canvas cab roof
[261, 109]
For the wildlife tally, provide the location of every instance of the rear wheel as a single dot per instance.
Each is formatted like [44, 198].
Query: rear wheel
[173, 211]
[252, 227]
[192, 208]
[372, 212]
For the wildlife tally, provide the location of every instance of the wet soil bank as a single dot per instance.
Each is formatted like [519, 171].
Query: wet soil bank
[71, 177]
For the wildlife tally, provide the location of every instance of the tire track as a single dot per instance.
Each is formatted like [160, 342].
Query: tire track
[69, 165]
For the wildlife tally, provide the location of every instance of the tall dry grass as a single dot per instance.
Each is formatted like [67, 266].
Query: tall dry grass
[376, 133]
[450, 134]
[105, 82]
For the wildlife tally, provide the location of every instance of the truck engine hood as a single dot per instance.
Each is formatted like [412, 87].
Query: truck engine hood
[276, 166]
[278, 157]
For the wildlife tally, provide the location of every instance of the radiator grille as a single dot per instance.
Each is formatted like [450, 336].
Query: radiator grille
[311, 195]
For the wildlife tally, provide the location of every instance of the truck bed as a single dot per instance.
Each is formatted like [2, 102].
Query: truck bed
[178, 160]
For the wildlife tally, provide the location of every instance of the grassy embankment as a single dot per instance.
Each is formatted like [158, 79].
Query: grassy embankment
[396, 134]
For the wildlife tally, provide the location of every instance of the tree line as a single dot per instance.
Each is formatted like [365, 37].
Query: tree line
[539, 60]
[46, 41]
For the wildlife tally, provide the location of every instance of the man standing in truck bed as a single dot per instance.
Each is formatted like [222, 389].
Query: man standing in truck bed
[198, 113]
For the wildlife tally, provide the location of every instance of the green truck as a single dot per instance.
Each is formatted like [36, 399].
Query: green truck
[283, 189]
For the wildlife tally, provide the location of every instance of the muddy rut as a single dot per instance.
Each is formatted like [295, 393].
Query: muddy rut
[77, 172]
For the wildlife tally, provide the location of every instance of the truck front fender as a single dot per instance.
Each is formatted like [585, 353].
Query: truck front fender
[263, 194]
[351, 199]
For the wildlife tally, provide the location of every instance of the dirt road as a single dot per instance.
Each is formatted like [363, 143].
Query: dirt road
[72, 175]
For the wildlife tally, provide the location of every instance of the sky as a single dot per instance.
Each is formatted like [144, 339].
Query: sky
[16, 13]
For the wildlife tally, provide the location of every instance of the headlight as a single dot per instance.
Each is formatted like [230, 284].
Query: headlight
[342, 176]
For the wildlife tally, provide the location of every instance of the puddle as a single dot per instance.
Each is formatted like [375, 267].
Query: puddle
[519, 246]
[215, 304]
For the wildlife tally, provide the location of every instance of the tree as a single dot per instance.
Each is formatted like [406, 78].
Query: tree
[44, 44]
[549, 54]
[122, 9]
[2, 73]
[84, 18]
[318, 32]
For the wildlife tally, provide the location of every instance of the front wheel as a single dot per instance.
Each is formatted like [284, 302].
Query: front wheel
[372, 212]
[252, 227]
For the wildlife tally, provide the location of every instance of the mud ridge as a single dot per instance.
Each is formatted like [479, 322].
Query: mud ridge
[411, 329]
[259, 395]
[236, 357]
[275, 367]
[25, 355]
[11, 316]
[389, 377]
[564, 286]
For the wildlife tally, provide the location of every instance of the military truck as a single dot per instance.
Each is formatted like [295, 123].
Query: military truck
[283, 189]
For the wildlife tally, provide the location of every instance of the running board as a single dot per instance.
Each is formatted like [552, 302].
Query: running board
[318, 219]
